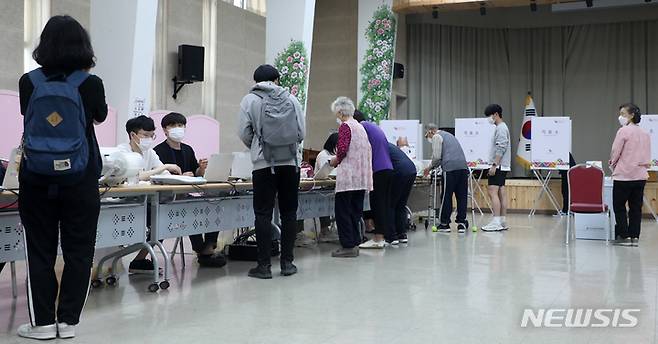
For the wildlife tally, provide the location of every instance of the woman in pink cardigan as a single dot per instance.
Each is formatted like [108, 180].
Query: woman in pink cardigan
[629, 160]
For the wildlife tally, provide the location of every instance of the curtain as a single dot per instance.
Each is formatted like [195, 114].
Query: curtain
[584, 72]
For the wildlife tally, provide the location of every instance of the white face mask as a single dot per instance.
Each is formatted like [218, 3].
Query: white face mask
[339, 121]
[177, 134]
[145, 144]
[429, 139]
[622, 120]
[491, 120]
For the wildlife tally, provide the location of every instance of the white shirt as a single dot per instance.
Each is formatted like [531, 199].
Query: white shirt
[322, 158]
[150, 159]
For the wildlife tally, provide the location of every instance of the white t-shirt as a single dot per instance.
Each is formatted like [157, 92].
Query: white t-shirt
[322, 158]
[150, 159]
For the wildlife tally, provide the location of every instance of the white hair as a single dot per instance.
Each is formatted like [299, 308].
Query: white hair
[343, 106]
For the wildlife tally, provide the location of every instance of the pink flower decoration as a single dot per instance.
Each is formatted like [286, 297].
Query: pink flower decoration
[301, 59]
[295, 66]
[380, 31]
[293, 92]
[289, 59]
[378, 21]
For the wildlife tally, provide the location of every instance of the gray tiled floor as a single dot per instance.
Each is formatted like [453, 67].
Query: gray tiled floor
[440, 289]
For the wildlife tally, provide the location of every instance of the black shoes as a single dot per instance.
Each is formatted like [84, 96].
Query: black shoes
[261, 271]
[288, 268]
[216, 260]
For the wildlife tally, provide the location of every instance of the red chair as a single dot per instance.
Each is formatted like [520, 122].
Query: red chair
[586, 193]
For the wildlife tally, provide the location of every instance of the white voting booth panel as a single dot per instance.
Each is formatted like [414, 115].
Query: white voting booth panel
[551, 143]
[650, 124]
[475, 135]
[411, 129]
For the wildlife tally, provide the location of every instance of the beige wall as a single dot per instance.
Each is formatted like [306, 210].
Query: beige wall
[333, 67]
[11, 44]
[241, 48]
[78, 9]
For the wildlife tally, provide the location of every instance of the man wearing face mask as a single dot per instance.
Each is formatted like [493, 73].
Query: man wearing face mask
[448, 153]
[174, 151]
[501, 162]
[141, 131]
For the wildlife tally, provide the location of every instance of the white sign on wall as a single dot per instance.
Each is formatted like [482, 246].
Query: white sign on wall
[650, 124]
[551, 143]
[409, 129]
[475, 135]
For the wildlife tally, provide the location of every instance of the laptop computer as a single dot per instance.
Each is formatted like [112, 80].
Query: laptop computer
[219, 167]
[10, 182]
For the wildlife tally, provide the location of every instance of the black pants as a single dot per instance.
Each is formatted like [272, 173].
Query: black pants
[380, 202]
[565, 191]
[47, 214]
[283, 186]
[349, 210]
[456, 183]
[633, 193]
[201, 241]
[400, 192]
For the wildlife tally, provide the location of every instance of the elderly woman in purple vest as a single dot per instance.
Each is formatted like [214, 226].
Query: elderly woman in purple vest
[353, 177]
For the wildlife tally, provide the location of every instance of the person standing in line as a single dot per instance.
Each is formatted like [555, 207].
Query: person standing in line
[448, 153]
[353, 162]
[501, 163]
[272, 126]
[629, 159]
[380, 197]
[59, 198]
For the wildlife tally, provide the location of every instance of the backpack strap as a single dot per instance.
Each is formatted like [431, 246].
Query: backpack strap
[37, 77]
[77, 78]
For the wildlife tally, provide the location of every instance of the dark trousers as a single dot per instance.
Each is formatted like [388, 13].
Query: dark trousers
[628, 226]
[456, 183]
[201, 241]
[400, 192]
[349, 210]
[283, 186]
[48, 214]
[565, 191]
[380, 202]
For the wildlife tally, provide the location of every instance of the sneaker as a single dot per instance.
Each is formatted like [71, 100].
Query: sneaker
[303, 241]
[404, 239]
[141, 266]
[635, 242]
[216, 260]
[461, 227]
[504, 226]
[65, 330]
[37, 332]
[288, 268]
[395, 242]
[492, 227]
[443, 228]
[328, 237]
[623, 242]
[372, 244]
[261, 271]
[346, 252]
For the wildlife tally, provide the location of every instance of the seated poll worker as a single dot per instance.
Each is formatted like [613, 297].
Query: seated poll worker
[141, 131]
[173, 151]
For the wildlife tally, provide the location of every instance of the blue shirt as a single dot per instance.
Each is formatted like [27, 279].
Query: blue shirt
[380, 159]
[402, 165]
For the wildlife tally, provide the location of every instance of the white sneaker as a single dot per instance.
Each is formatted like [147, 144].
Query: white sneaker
[392, 243]
[504, 226]
[303, 241]
[492, 227]
[371, 244]
[65, 330]
[37, 332]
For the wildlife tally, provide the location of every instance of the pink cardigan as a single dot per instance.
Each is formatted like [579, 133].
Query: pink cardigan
[631, 154]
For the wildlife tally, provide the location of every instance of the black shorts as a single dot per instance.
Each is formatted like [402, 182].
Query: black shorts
[498, 179]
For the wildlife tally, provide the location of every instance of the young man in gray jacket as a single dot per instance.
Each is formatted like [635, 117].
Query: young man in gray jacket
[271, 179]
[501, 163]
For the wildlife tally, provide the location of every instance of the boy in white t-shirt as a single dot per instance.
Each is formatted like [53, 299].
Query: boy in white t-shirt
[141, 131]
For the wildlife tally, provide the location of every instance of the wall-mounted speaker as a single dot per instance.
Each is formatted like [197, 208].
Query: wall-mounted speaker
[398, 70]
[190, 63]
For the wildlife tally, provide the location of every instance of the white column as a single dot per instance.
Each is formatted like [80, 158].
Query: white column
[123, 37]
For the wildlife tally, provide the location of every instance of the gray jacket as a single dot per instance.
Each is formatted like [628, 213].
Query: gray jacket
[250, 111]
[502, 147]
[447, 152]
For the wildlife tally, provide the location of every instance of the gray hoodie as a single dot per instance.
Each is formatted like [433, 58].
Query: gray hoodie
[250, 110]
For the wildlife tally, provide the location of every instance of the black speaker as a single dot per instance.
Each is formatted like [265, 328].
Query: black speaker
[398, 70]
[190, 63]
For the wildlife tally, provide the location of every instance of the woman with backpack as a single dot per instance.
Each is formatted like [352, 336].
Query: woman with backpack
[59, 196]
